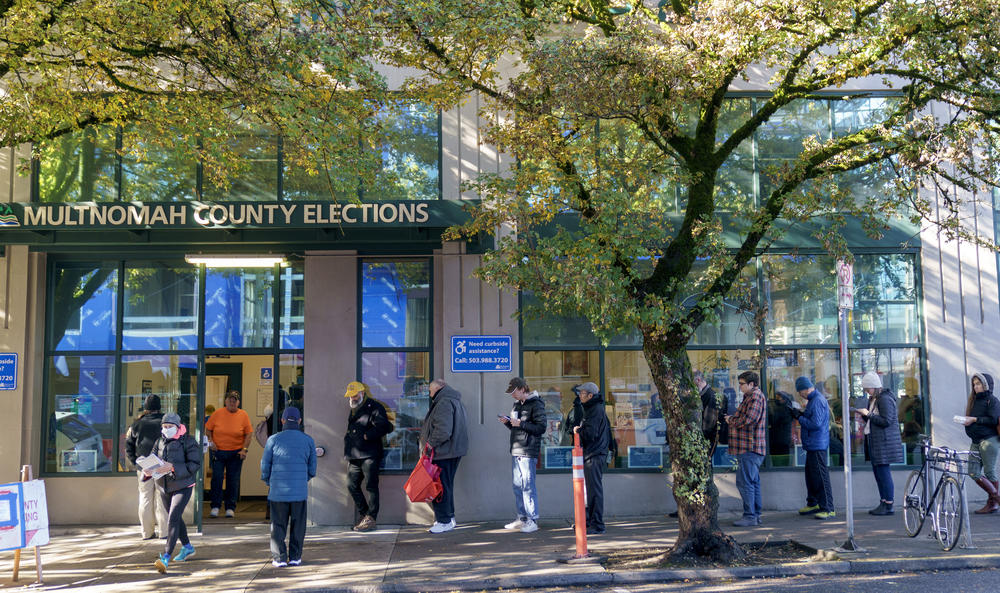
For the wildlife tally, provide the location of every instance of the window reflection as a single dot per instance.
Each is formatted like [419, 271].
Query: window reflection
[802, 299]
[84, 305]
[79, 167]
[80, 435]
[400, 380]
[395, 304]
[161, 308]
[239, 308]
[173, 378]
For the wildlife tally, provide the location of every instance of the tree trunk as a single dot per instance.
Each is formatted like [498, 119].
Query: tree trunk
[694, 489]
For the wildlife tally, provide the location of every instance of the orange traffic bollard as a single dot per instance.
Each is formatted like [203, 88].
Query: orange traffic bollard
[579, 500]
[580, 510]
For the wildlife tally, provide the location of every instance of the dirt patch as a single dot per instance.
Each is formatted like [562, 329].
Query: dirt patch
[758, 554]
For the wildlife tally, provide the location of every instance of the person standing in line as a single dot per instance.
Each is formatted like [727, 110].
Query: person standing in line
[981, 415]
[595, 438]
[882, 438]
[367, 423]
[139, 441]
[445, 429]
[181, 455]
[815, 424]
[747, 442]
[288, 463]
[229, 432]
[527, 425]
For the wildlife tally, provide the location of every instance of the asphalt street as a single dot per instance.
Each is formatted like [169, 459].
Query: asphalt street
[948, 581]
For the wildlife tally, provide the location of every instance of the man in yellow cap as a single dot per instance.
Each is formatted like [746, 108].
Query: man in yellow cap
[367, 423]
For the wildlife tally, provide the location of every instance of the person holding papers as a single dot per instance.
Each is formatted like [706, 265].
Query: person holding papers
[981, 414]
[179, 456]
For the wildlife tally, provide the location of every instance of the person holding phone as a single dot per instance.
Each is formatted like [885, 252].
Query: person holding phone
[527, 425]
[882, 437]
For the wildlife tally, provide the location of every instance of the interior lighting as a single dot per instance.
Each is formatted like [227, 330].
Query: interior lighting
[236, 261]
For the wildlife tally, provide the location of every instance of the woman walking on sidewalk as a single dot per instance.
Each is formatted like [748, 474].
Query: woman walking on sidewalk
[181, 455]
[981, 414]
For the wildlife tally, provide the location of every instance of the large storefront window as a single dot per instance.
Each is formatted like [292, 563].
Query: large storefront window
[798, 337]
[120, 331]
[79, 167]
[395, 357]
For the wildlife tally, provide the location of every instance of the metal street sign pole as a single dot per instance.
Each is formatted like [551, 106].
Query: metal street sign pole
[845, 302]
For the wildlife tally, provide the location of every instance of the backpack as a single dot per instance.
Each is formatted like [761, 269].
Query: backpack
[260, 432]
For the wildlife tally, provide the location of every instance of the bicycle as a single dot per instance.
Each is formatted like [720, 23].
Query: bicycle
[945, 506]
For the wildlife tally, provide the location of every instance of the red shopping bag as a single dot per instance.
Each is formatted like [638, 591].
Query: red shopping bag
[424, 483]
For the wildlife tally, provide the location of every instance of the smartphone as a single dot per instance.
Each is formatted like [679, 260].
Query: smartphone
[504, 418]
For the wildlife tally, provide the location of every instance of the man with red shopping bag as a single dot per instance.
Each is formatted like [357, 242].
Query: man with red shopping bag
[445, 430]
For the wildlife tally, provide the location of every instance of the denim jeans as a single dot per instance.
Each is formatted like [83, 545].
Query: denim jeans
[748, 482]
[883, 478]
[525, 490]
[989, 450]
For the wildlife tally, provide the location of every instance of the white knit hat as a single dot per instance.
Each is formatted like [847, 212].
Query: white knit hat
[871, 380]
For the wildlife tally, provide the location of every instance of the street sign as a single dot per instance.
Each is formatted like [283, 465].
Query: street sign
[845, 285]
[8, 371]
[480, 354]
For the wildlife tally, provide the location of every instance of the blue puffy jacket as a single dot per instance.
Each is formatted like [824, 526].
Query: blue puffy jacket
[288, 464]
[815, 423]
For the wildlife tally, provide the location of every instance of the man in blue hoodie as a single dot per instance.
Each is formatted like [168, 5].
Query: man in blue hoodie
[288, 464]
[815, 424]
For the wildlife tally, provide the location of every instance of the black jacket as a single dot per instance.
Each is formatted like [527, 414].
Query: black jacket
[142, 435]
[185, 453]
[366, 425]
[986, 409]
[595, 430]
[526, 439]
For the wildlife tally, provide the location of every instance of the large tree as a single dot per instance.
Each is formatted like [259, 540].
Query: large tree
[628, 137]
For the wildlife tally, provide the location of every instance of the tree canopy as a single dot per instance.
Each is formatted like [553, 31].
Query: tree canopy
[633, 126]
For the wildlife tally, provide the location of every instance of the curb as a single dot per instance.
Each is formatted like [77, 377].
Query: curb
[638, 577]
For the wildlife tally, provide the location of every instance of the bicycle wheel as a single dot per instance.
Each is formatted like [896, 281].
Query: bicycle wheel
[913, 503]
[948, 512]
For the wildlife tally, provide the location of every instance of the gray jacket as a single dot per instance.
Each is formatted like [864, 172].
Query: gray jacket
[446, 425]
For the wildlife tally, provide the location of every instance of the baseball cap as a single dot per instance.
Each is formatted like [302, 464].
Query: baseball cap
[355, 387]
[291, 413]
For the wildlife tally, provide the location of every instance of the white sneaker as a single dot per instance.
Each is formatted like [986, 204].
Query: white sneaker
[529, 526]
[442, 527]
[214, 512]
[515, 524]
[230, 513]
[279, 563]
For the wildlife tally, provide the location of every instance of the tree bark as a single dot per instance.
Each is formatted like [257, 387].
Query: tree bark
[699, 534]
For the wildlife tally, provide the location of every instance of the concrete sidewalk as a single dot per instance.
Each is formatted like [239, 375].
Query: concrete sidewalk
[476, 556]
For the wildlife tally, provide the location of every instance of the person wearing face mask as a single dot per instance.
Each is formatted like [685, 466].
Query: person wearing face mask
[181, 455]
[527, 425]
[367, 423]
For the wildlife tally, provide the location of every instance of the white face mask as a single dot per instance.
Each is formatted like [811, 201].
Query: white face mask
[169, 431]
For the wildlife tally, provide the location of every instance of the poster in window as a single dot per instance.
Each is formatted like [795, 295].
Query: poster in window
[575, 363]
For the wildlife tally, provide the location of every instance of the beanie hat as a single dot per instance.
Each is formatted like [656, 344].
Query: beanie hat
[589, 387]
[803, 383]
[172, 418]
[871, 380]
[152, 402]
